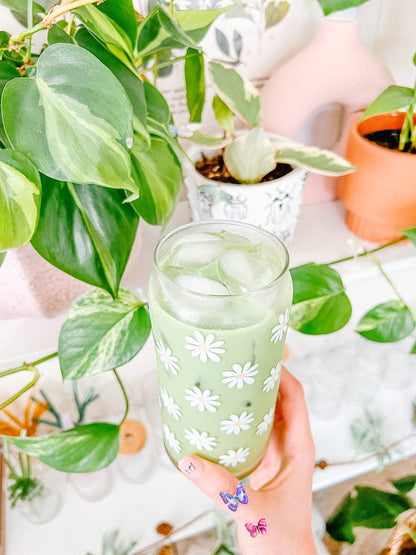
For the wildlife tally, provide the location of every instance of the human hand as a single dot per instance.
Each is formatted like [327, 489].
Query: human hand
[280, 488]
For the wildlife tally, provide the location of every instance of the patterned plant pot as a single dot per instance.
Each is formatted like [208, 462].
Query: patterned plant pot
[273, 205]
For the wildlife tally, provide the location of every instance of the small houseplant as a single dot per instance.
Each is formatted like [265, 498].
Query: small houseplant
[255, 177]
[380, 197]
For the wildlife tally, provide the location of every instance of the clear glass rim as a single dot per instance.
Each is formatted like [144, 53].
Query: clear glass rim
[254, 292]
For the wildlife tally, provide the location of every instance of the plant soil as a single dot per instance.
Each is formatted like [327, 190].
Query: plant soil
[215, 169]
[389, 138]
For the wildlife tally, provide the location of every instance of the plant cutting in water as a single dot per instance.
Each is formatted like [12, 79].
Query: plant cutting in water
[251, 155]
[392, 99]
[23, 485]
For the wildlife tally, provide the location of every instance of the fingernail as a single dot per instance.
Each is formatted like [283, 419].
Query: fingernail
[190, 466]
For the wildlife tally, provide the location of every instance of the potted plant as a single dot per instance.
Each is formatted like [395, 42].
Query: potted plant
[380, 197]
[251, 176]
[85, 142]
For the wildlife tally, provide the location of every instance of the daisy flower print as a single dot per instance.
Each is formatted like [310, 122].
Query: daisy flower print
[166, 356]
[169, 403]
[232, 458]
[270, 382]
[236, 423]
[279, 330]
[266, 422]
[171, 439]
[202, 400]
[201, 440]
[204, 347]
[240, 375]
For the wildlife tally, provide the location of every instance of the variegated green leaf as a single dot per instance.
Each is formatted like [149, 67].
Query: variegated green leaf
[19, 199]
[393, 98]
[123, 13]
[102, 333]
[223, 114]
[78, 119]
[7, 73]
[330, 6]
[159, 176]
[197, 22]
[387, 322]
[314, 159]
[206, 141]
[107, 31]
[250, 157]
[237, 92]
[81, 449]
[195, 84]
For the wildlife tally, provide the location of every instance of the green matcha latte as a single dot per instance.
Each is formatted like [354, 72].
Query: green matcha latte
[220, 296]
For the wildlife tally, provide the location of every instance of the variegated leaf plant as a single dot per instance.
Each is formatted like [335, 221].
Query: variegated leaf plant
[251, 155]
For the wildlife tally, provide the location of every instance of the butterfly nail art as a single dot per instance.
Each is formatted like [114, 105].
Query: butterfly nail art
[232, 500]
[260, 528]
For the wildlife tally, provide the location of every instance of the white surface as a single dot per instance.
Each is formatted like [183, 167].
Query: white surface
[136, 509]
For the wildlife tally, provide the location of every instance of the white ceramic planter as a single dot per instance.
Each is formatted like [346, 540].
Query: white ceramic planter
[273, 206]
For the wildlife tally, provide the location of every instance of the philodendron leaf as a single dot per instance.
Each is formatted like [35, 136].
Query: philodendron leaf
[197, 22]
[78, 119]
[223, 114]
[237, 92]
[411, 233]
[96, 227]
[19, 199]
[330, 6]
[7, 73]
[195, 84]
[387, 322]
[206, 141]
[369, 508]
[320, 304]
[81, 449]
[56, 34]
[393, 98]
[102, 333]
[250, 157]
[122, 12]
[275, 12]
[159, 175]
[404, 485]
[314, 159]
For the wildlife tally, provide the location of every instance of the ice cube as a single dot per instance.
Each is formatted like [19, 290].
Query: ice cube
[236, 270]
[196, 254]
[199, 284]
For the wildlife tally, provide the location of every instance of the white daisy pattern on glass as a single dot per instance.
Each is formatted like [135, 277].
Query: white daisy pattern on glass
[237, 423]
[171, 439]
[240, 375]
[232, 458]
[169, 404]
[203, 400]
[279, 330]
[266, 422]
[166, 356]
[272, 380]
[201, 440]
[204, 347]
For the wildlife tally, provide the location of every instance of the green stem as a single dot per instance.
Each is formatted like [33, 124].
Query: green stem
[156, 67]
[26, 367]
[126, 399]
[366, 253]
[29, 24]
[389, 281]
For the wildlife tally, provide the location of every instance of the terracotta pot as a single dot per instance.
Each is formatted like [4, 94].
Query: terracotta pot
[380, 197]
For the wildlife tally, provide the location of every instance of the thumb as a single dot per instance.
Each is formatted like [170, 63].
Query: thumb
[212, 479]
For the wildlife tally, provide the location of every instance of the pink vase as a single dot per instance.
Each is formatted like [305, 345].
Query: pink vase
[317, 94]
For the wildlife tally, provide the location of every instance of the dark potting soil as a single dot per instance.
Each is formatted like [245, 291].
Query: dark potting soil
[215, 169]
[389, 138]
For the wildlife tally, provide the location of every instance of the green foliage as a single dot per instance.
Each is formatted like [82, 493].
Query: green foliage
[411, 233]
[102, 333]
[81, 449]
[223, 114]
[320, 305]
[158, 173]
[237, 92]
[80, 115]
[387, 322]
[7, 73]
[392, 99]
[197, 22]
[2, 257]
[195, 84]
[324, 162]
[95, 225]
[330, 6]
[404, 485]
[19, 199]
[366, 507]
